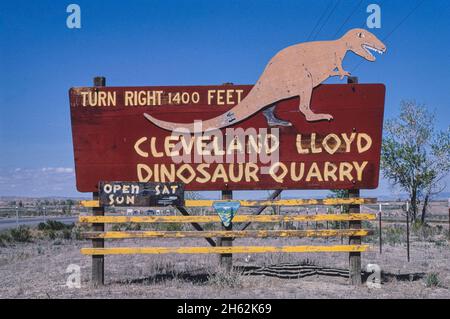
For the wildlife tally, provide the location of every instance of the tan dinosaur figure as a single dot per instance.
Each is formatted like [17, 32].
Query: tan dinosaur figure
[292, 72]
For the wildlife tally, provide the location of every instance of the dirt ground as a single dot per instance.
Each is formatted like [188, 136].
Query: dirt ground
[38, 270]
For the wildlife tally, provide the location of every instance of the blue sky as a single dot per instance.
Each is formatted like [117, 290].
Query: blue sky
[184, 43]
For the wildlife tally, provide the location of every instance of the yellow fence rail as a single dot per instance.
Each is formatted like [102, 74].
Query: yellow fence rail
[215, 218]
[228, 233]
[257, 203]
[222, 250]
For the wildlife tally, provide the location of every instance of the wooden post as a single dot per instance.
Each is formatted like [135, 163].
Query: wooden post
[354, 257]
[317, 210]
[226, 260]
[379, 229]
[98, 262]
[340, 224]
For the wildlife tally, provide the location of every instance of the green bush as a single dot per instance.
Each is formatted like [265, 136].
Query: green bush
[21, 234]
[77, 230]
[66, 234]
[132, 226]
[54, 225]
[51, 234]
[116, 227]
[394, 235]
[4, 239]
[171, 227]
[432, 280]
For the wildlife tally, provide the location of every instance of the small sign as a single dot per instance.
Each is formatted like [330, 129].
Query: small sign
[226, 211]
[122, 194]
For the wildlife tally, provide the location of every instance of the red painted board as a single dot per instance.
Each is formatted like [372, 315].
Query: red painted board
[108, 122]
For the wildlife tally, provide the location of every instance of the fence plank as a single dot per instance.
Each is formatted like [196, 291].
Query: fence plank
[256, 203]
[216, 218]
[222, 250]
[228, 233]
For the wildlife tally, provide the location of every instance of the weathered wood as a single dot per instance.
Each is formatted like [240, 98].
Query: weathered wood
[104, 146]
[196, 226]
[226, 260]
[222, 250]
[380, 232]
[215, 218]
[98, 261]
[228, 233]
[259, 203]
[354, 257]
[272, 196]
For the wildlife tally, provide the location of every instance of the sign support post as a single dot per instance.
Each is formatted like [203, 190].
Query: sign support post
[380, 241]
[98, 261]
[354, 257]
[226, 260]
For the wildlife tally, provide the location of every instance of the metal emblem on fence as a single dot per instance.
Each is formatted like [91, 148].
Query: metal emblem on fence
[226, 211]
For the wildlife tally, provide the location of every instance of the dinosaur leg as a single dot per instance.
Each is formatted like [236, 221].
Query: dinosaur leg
[305, 100]
[272, 120]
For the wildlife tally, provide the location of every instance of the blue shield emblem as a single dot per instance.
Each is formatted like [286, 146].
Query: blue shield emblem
[226, 211]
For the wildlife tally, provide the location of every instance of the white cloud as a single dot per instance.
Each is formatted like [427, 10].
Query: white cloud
[67, 170]
[44, 181]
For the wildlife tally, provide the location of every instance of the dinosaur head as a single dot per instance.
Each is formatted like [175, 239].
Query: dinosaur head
[361, 42]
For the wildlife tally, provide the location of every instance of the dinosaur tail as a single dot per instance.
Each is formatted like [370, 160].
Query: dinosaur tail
[247, 107]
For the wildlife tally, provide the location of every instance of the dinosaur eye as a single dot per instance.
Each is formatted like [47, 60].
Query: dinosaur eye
[361, 35]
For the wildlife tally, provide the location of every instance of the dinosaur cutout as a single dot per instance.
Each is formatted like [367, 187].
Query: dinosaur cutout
[294, 71]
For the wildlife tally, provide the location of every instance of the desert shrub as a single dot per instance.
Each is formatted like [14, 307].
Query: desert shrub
[171, 227]
[20, 234]
[53, 225]
[66, 234]
[440, 242]
[76, 232]
[163, 267]
[132, 226]
[225, 279]
[368, 225]
[424, 231]
[209, 226]
[393, 235]
[5, 238]
[290, 225]
[51, 234]
[116, 227]
[432, 280]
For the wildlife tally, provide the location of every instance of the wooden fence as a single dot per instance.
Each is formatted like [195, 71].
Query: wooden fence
[224, 244]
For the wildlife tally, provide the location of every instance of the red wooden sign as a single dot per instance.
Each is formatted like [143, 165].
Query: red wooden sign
[113, 141]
